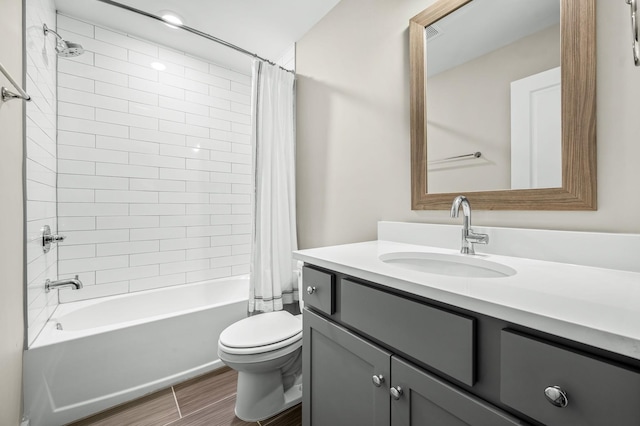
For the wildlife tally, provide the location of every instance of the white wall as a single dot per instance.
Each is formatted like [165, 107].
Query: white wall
[154, 166]
[41, 161]
[11, 220]
[353, 128]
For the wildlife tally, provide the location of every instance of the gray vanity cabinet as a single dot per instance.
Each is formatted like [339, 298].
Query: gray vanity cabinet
[338, 369]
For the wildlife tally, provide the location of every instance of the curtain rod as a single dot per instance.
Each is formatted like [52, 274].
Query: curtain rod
[194, 31]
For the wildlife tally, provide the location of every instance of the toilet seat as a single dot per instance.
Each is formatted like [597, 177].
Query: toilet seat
[261, 333]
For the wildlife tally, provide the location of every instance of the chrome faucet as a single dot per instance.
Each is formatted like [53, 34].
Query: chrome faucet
[69, 282]
[468, 236]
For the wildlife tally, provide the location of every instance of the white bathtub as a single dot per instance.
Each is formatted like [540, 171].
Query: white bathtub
[118, 348]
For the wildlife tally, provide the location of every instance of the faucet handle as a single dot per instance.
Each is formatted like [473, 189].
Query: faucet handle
[477, 238]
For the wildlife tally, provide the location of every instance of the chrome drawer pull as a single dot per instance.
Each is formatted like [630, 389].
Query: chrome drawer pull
[378, 380]
[311, 290]
[396, 392]
[556, 396]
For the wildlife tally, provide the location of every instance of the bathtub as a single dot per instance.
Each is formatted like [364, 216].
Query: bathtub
[95, 354]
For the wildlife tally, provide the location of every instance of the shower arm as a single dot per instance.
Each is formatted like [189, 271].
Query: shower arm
[46, 30]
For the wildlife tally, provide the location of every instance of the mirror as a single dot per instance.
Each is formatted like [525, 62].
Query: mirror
[482, 71]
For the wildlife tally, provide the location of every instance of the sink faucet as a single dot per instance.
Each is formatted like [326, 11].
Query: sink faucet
[70, 282]
[468, 236]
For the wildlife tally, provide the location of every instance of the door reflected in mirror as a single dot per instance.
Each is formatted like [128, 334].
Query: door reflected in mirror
[493, 87]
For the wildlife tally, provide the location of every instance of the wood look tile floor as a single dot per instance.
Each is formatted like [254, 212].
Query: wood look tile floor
[207, 400]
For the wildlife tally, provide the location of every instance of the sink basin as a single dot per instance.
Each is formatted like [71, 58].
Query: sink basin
[448, 264]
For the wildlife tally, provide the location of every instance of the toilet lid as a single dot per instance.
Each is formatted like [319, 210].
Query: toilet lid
[261, 330]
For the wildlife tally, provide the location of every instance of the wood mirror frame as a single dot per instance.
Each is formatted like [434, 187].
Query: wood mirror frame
[578, 94]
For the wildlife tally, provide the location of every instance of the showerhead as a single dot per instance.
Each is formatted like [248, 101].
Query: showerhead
[65, 49]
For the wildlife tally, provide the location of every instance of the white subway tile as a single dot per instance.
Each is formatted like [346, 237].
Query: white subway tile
[205, 99]
[208, 231]
[242, 189]
[75, 26]
[205, 77]
[76, 252]
[38, 173]
[206, 143]
[240, 98]
[128, 145]
[113, 196]
[76, 224]
[112, 275]
[122, 66]
[183, 198]
[183, 129]
[182, 59]
[156, 209]
[157, 160]
[231, 157]
[213, 187]
[127, 222]
[76, 139]
[90, 209]
[66, 152]
[230, 74]
[241, 169]
[208, 252]
[156, 185]
[157, 233]
[96, 237]
[76, 167]
[123, 170]
[40, 209]
[241, 209]
[177, 174]
[92, 182]
[242, 149]
[240, 108]
[93, 73]
[218, 262]
[127, 248]
[92, 100]
[156, 88]
[241, 229]
[184, 243]
[231, 178]
[156, 136]
[225, 240]
[184, 220]
[92, 127]
[41, 156]
[157, 282]
[184, 152]
[240, 269]
[208, 274]
[183, 106]
[77, 83]
[73, 266]
[241, 249]
[212, 166]
[126, 119]
[126, 93]
[241, 88]
[230, 199]
[198, 209]
[126, 42]
[156, 112]
[212, 123]
[232, 219]
[66, 195]
[241, 128]
[37, 191]
[146, 60]
[157, 257]
[183, 83]
[184, 266]
[235, 117]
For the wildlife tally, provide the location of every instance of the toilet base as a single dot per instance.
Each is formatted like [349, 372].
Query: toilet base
[261, 395]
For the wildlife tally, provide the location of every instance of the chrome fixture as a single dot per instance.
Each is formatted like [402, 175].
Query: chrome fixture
[8, 95]
[556, 396]
[64, 48]
[311, 290]
[634, 31]
[471, 156]
[378, 380]
[468, 236]
[396, 392]
[48, 238]
[69, 282]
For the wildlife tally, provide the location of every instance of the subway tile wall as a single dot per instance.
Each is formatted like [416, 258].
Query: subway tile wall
[40, 162]
[154, 167]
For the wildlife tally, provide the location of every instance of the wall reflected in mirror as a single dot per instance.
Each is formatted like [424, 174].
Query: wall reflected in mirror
[493, 86]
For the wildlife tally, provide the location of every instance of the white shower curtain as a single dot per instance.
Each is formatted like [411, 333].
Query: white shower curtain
[273, 275]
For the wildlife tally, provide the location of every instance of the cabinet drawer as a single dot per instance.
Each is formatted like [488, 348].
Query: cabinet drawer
[440, 339]
[319, 290]
[598, 393]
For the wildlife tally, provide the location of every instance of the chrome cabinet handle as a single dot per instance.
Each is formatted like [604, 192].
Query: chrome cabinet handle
[396, 392]
[311, 290]
[378, 380]
[556, 396]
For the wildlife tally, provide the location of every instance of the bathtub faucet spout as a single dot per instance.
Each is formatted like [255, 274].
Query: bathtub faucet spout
[69, 282]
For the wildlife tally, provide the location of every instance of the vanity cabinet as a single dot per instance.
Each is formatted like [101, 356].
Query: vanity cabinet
[383, 357]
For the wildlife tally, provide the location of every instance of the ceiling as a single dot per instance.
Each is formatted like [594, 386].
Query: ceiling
[267, 28]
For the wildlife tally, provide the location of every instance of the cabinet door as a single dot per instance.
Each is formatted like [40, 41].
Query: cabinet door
[427, 400]
[338, 370]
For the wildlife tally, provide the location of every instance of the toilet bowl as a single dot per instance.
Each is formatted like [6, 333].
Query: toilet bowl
[266, 351]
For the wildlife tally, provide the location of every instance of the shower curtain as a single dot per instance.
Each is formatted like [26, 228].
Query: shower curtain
[273, 270]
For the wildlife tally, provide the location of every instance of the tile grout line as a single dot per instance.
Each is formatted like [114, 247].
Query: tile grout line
[175, 398]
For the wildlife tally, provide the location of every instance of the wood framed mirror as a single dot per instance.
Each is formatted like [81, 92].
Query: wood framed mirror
[577, 128]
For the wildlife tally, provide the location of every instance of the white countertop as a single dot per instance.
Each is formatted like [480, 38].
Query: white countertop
[596, 306]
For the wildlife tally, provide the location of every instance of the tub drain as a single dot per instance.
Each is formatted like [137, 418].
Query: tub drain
[59, 326]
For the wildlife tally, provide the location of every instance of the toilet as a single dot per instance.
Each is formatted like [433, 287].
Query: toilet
[266, 351]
